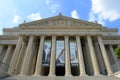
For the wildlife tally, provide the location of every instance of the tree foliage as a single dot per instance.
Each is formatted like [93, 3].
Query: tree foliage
[117, 51]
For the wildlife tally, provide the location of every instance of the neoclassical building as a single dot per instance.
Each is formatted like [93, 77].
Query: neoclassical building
[58, 48]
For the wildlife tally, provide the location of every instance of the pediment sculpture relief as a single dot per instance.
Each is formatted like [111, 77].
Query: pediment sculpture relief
[61, 21]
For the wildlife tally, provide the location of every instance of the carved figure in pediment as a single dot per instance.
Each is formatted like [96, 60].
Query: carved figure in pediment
[45, 24]
[50, 22]
[68, 22]
[59, 21]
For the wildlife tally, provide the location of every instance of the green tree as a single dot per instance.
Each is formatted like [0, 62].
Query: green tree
[117, 51]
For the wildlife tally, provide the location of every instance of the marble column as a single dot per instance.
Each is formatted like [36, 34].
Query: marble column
[105, 56]
[80, 57]
[39, 57]
[93, 56]
[67, 57]
[88, 60]
[4, 67]
[53, 57]
[28, 56]
[99, 56]
[114, 57]
[15, 56]
[21, 57]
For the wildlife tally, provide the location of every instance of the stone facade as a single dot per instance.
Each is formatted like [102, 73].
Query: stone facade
[21, 48]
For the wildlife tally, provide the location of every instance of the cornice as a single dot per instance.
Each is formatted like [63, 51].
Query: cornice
[15, 29]
[109, 29]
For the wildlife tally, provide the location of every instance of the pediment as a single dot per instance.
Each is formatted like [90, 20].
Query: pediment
[61, 21]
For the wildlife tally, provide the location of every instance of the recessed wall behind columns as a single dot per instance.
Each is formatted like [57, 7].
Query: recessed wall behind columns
[109, 55]
[6, 56]
[2, 54]
[75, 71]
[35, 52]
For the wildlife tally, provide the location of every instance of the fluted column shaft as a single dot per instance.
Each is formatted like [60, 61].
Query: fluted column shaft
[105, 56]
[39, 57]
[21, 57]
[80, 57]
[28, 57]
[114, 57]
[53, 58]
[87, 57]
[67, 57]
[99, 56]
[93, 56]
[15, 56]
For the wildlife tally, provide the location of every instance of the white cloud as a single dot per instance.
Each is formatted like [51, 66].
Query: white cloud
[74, 14]
[94, 18]
[105, 9]
[54, 8]
[34, 16]
[53, 5]
[47, 1]
[15, 19]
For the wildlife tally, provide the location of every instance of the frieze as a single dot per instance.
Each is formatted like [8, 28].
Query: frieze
[56, 32]
[66, 31]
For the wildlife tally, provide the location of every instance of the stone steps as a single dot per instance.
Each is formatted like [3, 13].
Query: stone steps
[60, 78]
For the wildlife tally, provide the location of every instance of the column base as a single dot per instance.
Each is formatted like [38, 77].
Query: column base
[68, 75]
[110, 74]
[22, 75]
[36, 74]
[52, 75]
[10, 72]
[97, 74]
[83, 75]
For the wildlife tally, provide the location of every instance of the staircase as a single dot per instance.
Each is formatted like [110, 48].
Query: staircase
[23, 77]
[4, 76]
[3, 69]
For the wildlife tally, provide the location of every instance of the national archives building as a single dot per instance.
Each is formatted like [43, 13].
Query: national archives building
[59, 48]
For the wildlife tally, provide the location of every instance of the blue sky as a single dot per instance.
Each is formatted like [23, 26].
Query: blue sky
[14, 12]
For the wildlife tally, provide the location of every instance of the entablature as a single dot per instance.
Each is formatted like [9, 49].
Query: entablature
[8, 37]
[11, 31]
[67, 31]
[111, 41]
[7, 42]
[113, 37]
